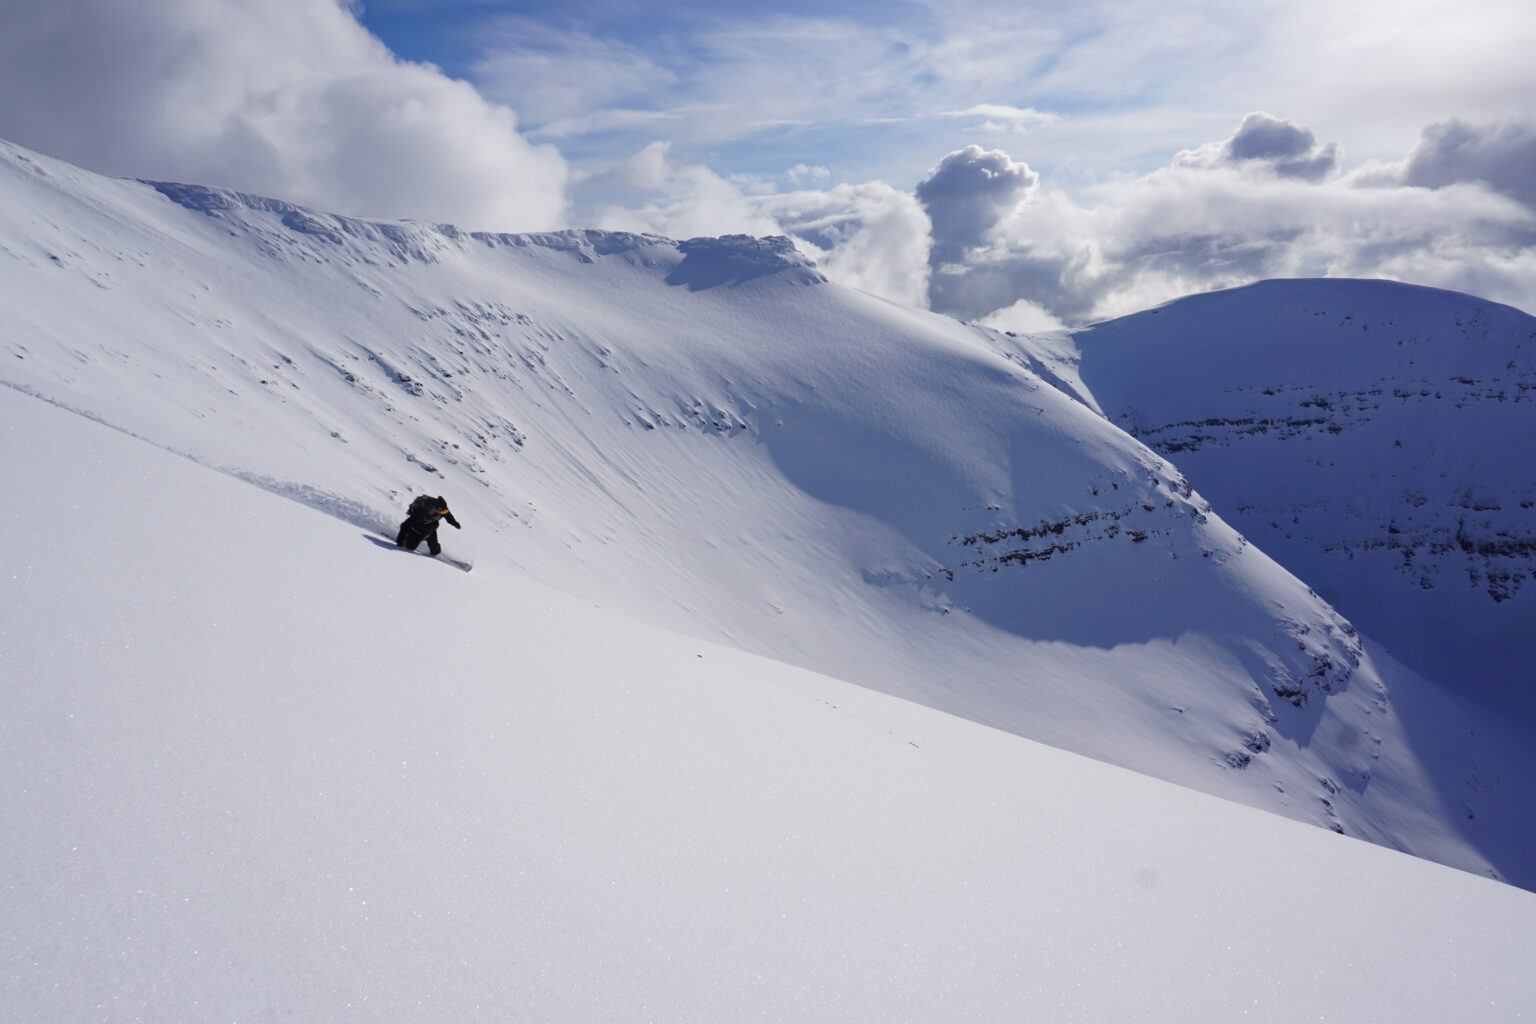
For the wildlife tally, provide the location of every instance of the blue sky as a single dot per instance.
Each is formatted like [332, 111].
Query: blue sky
[1020, 163]
[882, 90]
[605, 79]
[866, 90]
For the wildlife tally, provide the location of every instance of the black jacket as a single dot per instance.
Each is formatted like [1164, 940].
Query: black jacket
[426, 512]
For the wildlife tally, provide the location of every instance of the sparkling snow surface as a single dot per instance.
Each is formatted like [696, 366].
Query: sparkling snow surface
[267, 766]
[261, 768]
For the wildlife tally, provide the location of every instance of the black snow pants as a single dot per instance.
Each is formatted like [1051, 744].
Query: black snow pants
[412, 533]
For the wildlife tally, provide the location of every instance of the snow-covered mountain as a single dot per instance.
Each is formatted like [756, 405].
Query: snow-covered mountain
[322, 780]
[1372, 436]
[265, 765]
[709, 436]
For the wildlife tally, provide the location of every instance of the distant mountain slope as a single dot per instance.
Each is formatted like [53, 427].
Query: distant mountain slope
[708, 435]
[1374, 437]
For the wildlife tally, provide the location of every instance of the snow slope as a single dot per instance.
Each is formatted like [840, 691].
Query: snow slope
[710, 437]
[1375, 438]
[261, 767]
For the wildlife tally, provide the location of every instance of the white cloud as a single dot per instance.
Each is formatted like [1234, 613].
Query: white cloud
[967, 194]
[1227, 214]
[1281, 147]
[999, 118]
[618, 120]
[291, 98]
[690, 199]
[869, 236]
[650, 170]
[731, 76]
[568, 82]
[801, 174]
[1023, 317]
[294, 98]
[1500, 156]
[875, 91]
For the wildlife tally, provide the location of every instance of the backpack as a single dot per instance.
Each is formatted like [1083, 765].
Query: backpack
[426, 507]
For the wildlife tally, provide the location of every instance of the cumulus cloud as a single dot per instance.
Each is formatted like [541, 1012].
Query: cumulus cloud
[870, 236]
[1499, 156]
[292, 98]
[982, 238]
[967, 194]
[1257, 205]
[686, 200]
[1285, 148]
[1174, 232]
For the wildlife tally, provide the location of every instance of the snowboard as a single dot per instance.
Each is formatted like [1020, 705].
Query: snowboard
[462, 564]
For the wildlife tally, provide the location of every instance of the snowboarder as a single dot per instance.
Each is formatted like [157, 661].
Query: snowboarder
[421, 523]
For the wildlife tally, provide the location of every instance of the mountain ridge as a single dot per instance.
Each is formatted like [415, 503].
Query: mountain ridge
[767, 460]
[1369, 435]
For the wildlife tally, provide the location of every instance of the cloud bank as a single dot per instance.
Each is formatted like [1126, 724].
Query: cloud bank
[870, 236]
[1501, 157]
[985, 237]
[291, 98]
[1459, 212]
[296, 99]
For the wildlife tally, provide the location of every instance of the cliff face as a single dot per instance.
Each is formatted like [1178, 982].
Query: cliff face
[1373, 437]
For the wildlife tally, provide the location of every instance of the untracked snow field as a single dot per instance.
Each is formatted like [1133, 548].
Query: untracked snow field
[261, 767]
[710, 437]
[780, 592]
